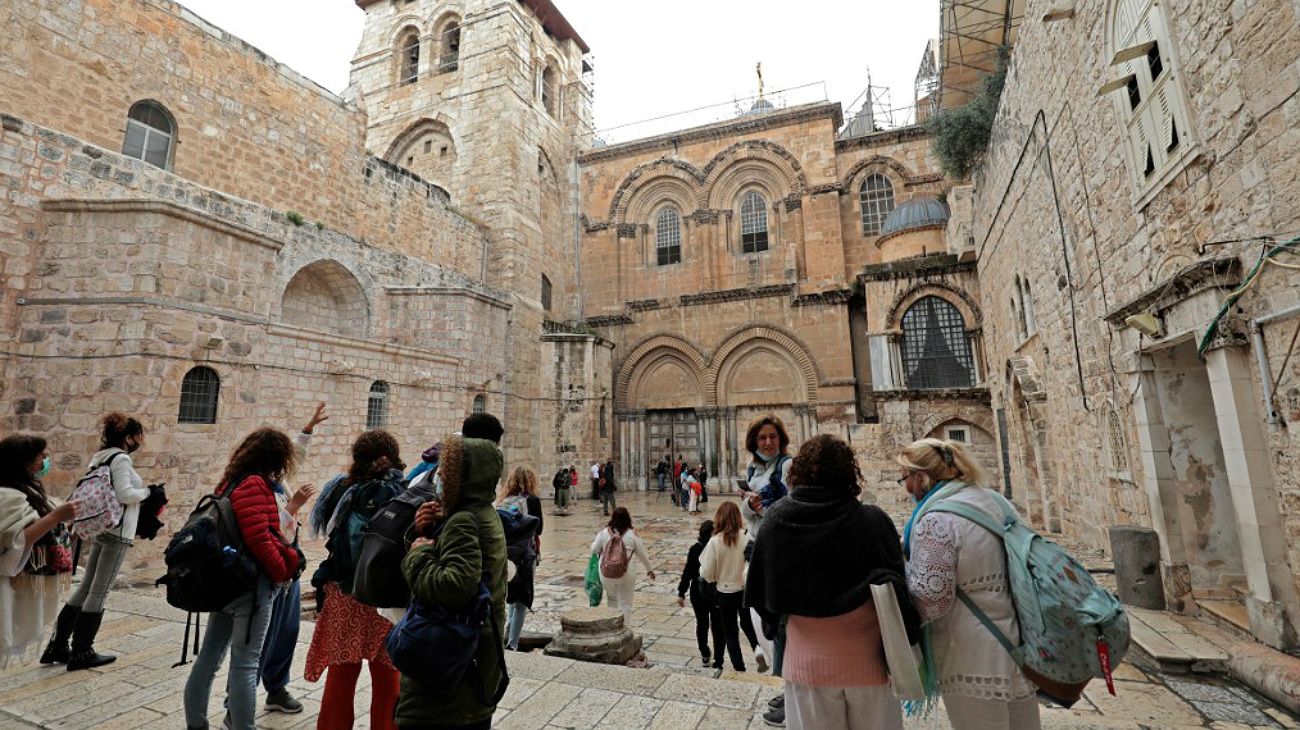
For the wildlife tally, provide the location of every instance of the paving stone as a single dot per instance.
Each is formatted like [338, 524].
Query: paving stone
[619, 679]
[587, 709]
[721, 693]
[678, 716]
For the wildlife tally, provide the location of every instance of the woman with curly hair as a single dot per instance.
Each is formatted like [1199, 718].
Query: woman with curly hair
[520, 494]
[34, 558]
[121, 436]
[814, 562]
[347, 630]
[265, 457]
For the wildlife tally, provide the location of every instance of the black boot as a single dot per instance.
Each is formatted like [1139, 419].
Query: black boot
[56, 652]
[83, 654]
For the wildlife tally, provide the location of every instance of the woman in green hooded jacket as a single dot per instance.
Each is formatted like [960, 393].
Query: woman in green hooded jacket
[446, 571]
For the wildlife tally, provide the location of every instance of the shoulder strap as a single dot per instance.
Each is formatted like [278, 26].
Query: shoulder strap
[987, 623]
[974, 514]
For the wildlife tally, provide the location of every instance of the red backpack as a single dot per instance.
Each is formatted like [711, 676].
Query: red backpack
[613, 557]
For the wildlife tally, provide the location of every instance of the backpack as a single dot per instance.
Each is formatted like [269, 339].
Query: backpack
[613, 557]
[437, 647]
[98, 501]
[775, 488]
[520, 529]
[1071, 629]
[207, 563]
[378, 580]
[350, 521]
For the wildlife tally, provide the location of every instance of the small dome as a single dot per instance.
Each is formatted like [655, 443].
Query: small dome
[761, 106]
[913, 214]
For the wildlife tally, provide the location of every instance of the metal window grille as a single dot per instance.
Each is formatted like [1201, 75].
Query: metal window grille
[199, 391]
[753, 223]
[480, 404]
[450, 59]
[149, 133]
[410, 59]
[936, 348]
[876, 197]
[668, 237]
[1115, 434]
[377, 405]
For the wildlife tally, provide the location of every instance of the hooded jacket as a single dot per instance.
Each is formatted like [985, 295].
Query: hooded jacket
[448, 573]
[819, 553]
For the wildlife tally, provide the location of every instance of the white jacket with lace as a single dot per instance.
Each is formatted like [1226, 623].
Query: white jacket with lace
[949, 551]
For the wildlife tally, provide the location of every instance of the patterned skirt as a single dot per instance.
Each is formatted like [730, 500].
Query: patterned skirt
[347, 632]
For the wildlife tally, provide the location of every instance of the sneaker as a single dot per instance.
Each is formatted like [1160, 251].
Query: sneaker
[761, 661]
[282, 701]
[775, 717]
[777, 701]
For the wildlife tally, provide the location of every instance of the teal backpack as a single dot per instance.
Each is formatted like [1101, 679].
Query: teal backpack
[1071, 629]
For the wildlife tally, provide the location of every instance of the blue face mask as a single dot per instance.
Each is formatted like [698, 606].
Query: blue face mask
[45, 468]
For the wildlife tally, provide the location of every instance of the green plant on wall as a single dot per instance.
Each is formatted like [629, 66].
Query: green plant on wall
[960, 136]
[295, 218]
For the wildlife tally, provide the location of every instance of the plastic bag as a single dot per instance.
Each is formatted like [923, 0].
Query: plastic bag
[595, 591]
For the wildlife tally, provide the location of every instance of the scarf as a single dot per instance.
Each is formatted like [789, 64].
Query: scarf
[929, 672]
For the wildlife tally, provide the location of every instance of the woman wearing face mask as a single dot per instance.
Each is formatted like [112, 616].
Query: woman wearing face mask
[768, 477]
[981, 685]
[348, 631]
[79, 620]
[34, 558]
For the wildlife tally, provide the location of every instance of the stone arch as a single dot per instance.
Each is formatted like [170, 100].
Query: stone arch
[325, 296]
[650, 349]
[780, 342]
[980, 420]
[654, 194]
[444, 51]
[687, 176]
[959, 298]
[434, 166]
[760, 372]
[756, 162]
[876, 163]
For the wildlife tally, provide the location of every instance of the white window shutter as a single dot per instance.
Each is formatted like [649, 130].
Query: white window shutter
[882, 363]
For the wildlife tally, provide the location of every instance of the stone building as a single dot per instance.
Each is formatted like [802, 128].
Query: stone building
[1132, 186]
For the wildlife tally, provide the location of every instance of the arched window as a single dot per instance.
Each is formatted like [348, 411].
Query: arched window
[548, 89]
[408, 51]
[546, 293]
[668, 237]
[604, 426]
[480, 404]
[199, 390]
[449, 52]
[936, 348]
[753, 223]
[377, 405]
[150, 134]
[876, 197]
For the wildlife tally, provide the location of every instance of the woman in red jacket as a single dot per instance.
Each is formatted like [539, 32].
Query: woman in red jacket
[264, 457]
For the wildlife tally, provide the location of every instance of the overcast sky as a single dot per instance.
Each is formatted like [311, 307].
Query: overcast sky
[653, 58]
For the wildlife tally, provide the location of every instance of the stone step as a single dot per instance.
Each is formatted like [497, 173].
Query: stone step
[1162, 644]
[1230, 615]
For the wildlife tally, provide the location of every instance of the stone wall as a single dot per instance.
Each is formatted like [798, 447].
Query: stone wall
[1057, 206]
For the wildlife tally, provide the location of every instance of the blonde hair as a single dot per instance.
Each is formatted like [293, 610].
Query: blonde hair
[522, 481]
[939, 460]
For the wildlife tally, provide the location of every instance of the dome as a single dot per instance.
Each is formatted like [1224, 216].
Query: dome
[915, 214]
[761, 106]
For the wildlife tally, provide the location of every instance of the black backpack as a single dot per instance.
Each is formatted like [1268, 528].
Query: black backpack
[378, 579]
[207, 563]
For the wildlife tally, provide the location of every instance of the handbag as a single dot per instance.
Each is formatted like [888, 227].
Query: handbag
[904, 667]
[595, 591]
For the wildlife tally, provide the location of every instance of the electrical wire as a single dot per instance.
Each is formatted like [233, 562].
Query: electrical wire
[1251, 279]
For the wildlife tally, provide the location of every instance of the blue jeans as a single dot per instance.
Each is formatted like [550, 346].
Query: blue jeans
[515, 615]
[241, 628]
[281, 639]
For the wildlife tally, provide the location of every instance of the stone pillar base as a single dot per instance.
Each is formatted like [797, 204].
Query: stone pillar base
[595, 635]
[1268, 623]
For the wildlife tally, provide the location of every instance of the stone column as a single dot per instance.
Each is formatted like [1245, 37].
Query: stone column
[1254, 497]
[709, 438]
[727, 446]
[636, 467]
[807, 421]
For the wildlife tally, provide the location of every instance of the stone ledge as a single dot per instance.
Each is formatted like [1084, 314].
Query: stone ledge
[162, 207]
[1222, 273]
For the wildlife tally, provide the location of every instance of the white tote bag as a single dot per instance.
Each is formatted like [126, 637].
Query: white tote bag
[904, 665]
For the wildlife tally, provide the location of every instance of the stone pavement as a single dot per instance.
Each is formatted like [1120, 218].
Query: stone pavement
[142, 690]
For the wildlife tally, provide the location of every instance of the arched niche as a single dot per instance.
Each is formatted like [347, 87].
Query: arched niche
[325, 296]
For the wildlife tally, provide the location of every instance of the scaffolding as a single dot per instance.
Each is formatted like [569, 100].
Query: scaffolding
[971, 34]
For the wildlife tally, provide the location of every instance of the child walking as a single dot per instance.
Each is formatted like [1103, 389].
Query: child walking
[703, 600]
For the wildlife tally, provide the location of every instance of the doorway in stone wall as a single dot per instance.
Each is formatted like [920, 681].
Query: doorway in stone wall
[1193, 481]
[672, 432]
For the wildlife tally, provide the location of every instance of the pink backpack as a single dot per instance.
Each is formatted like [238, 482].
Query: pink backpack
[98, 501]
[613, 557]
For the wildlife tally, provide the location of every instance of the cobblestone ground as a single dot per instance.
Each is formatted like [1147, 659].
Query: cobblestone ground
[142, 690]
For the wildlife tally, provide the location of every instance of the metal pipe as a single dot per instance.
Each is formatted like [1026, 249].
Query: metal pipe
[1261, 359]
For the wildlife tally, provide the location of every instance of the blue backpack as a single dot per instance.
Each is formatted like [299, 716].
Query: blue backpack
[361, 502]
[1071, 629]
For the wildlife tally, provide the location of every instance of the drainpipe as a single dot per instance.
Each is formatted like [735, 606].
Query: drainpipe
[1261, 360]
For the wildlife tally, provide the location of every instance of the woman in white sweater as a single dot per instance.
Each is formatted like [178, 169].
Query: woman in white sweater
[723, 564]
[81, 616]
[620, 590]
